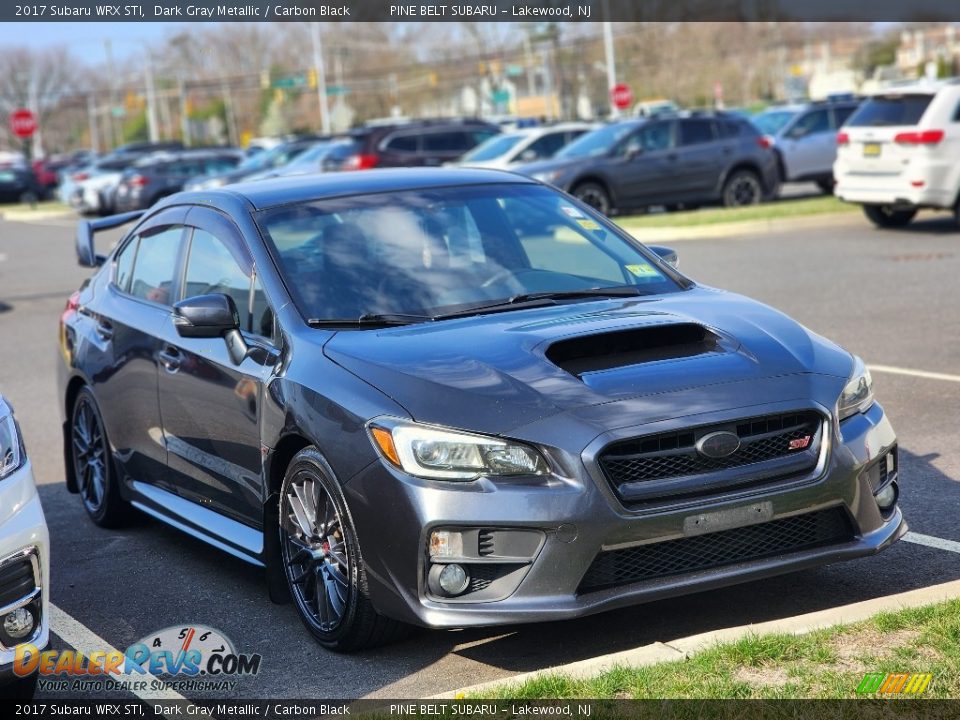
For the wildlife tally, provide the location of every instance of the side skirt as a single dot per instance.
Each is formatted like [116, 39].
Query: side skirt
[213, 528]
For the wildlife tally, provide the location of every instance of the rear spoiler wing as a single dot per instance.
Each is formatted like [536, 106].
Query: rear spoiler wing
[86, 229]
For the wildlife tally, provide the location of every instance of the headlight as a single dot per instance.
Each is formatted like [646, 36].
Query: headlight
[547, 177]
[857, 395]
[11, 455]
[431, 452]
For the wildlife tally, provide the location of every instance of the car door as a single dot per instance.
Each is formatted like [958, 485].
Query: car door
[809, 145]
[121, 362]
[700, 157]
[643, 165]
[210, 407]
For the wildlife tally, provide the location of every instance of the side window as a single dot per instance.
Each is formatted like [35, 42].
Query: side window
[545, 147]
[212, 268]
[124, 265]
[651, 137]
[156, 265]
[840, 114]
[696, 131]
[814, 122]
[402, 143]
[446, 142]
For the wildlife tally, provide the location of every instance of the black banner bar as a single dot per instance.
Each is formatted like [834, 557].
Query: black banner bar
[481, 10]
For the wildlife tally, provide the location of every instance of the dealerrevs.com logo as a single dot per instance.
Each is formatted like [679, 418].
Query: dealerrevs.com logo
[192, 657]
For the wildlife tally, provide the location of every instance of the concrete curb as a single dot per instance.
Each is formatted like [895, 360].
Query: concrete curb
[36, 215]
[685, 647]
[733, 230]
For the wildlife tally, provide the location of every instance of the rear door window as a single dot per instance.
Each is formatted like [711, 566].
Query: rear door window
[124, 265]
[890, 110]
[155, 267]
[842, 114]
[402, 143]
[696, 131]
[455, 141]
[813, 123]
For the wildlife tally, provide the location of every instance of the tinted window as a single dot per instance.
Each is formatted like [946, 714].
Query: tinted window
[599, 142]
[652, 137]
[546, 146]
[156, 265]
[890, 110]
[771, 122]
[816, 121]
[211, 268]
[446, 142]
[402, 143]
[841, 114]
[695, 132]
[125, 264]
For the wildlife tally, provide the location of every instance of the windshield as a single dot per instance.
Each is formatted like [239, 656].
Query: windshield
[599, 142]
[437, 251]
[891, 110]
[493, 148]
[773, 121]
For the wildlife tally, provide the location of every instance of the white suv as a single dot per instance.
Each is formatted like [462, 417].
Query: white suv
[899, 152]
[24, 560]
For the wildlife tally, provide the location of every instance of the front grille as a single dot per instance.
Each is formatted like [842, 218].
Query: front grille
[481, 575]
[714, 550]
[672, 455]
[16, 580]
[485, 544]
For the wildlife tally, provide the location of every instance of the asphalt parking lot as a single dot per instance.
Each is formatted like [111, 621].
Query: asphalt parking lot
[890, 296]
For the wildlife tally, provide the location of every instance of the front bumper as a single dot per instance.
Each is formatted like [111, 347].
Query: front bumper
[23, 534]
[579, 517]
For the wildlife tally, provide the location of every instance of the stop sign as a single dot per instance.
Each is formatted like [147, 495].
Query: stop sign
[23, 123]
[621, 96]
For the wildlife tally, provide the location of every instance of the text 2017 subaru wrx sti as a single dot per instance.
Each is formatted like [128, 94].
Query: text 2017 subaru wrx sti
[457, 398]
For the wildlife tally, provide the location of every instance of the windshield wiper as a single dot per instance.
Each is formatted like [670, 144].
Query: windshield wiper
[547, 298]
[381, 319]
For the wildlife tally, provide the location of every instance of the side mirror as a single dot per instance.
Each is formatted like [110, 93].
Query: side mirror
[210, 316]
[668, 255]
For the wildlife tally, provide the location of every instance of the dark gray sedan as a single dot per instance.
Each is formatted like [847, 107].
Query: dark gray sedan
[674, 161]
[455, 398]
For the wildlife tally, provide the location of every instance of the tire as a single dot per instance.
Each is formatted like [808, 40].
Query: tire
[20, 688]
[885, 216]
[742, 188]
[594, 195]
[93, 464]
[826, 186]
[322, 561]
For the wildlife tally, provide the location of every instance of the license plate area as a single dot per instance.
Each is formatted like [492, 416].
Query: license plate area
[704, 523]
[871, 150]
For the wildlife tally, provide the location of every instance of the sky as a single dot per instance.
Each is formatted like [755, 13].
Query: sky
[82, 37]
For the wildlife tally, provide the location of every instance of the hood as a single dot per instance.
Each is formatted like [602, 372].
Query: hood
[496, 372]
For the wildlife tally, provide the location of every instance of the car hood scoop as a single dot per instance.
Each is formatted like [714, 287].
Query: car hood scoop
[635, 346]
[495, 372]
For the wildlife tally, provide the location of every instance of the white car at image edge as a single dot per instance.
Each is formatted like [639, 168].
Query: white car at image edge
[898, 152]
[24, 559]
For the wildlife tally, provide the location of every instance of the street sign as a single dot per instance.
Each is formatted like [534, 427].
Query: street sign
[293, 81]
[621, 96]
[23, 123]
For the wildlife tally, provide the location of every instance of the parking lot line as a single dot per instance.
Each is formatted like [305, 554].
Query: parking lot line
[85, 641]
[914, 373]
[934, 542]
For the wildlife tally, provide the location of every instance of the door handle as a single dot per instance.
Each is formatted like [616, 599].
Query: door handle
[170, 359]
[104, 330]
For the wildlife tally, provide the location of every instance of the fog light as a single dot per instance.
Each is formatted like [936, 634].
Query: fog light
[453, 579]
[887, 497]
[19, 623]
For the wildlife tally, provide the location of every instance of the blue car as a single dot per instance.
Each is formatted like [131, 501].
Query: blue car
[457, 398]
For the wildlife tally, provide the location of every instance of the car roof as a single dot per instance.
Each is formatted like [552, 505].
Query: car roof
[915, 87]
[273, 192]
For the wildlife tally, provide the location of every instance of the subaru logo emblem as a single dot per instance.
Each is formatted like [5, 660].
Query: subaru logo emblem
[718, 445]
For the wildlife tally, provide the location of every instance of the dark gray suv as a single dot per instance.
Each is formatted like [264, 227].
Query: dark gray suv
[670, 161]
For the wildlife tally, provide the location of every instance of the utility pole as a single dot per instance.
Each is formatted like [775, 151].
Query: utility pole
[528, 61]
[321, 77]
[37, 138]
[611, 58]
[151, 100]
[116, 132]
[184, 117]
[92, 119]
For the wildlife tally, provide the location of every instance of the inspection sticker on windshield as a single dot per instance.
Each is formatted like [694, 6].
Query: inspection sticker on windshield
[571, 211]
[642, 270]
[588, 224]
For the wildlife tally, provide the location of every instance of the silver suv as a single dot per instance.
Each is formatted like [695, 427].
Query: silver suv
[804, 138]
